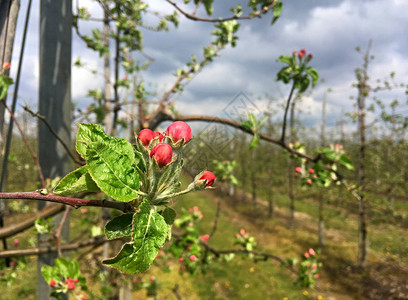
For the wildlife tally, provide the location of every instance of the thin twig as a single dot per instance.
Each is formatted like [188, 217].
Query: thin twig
[33, 155]
[265, 256]
[252, 15]
[28, 222]
[52, 131]
[74, 202]
[217, 216]
[49, 249]
[282, 139]
[59, 230]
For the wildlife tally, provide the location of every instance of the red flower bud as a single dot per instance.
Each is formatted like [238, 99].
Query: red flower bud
[71, 285]
[16, 242]
[311, 171]
[298, 169]
[146, 136]
[205, 238]
[310, 56]
[242, 231]
[179, 130]
[306, 254]
[181, 259]
[6, 66]
[162, 153]
[309, 182]
[193, 258]
[311, 251]
[84, 211]
[76, 280]
[52, 283]
[209, 177]
[302, 52]
[12, 264]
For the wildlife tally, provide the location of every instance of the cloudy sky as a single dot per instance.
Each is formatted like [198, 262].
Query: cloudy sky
[330, 30]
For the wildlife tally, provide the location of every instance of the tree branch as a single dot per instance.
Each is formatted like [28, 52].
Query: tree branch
[44, 120]
[49, 249]
[264, 256]
[47, 212]
[74, 202]
[193, 17]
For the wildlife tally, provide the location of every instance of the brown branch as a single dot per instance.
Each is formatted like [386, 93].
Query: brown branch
[74, 202]
[33, 155]
[52, 131]
[49, 249]
[225, 121]
[263, 255]
[252, 15]
[47, 212]
[59, 230]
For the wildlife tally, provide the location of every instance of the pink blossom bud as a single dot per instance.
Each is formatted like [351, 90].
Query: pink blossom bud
[205, 238]
[152, 279]
[209, 178]
[83, 298]
[71, 286]
[178, 131]
[306, 254]
[316, 276]
[298, 169]
[308, 265]
[309, 182]
[69, 280]
[53, 283]
[311, 251]
[242, 231]
[12, 264]
[6, 66]
[181, 259]
[162, 153]
[310, 56]
[311, 171]
[84, 211]
[294, 53]
[236, 235]
[302, 52]
[188, 248]
[146, 136]
[134, 280]
[76, 280]
[195, 208]
[16, 242]
[193, 257]
[125, 78]
[314, 266]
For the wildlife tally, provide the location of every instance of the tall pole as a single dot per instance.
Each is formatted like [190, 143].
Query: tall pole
[54, 104]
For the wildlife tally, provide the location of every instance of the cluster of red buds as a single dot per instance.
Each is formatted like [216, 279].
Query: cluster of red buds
[161, 156]
[301, 54]
[308, 175]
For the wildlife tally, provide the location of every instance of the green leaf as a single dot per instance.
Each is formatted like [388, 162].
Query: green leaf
[254, 142]
[49, 273]
[76, 182]
[88, 133]
[5, 82]
[313, 73]
[247, 125]
[346, 162]
[276, 11]
[111, 166]
[169, 215]
[285, 59]
[119, 227]
[149, 235]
